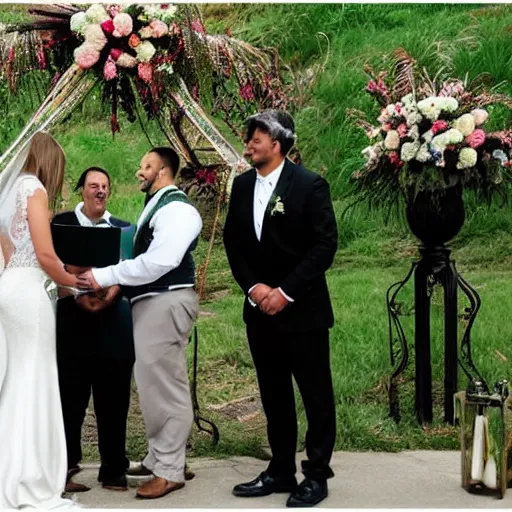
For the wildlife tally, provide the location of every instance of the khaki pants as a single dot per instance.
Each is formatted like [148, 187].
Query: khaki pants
[162, 325]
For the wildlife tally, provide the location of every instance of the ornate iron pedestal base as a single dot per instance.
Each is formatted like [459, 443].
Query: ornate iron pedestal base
[434, 267]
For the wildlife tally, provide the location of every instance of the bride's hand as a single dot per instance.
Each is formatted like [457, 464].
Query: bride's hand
[86, 280]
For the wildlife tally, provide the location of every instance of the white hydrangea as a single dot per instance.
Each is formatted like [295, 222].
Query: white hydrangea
[453, 136]
[77, 22]
[145, 51]
[439, 142]
[413, 117]
[423, 154]
[428, 136]
[408, 101]
[467, 158]
[465, 124]
[414, 132]
[432, 106]
[409, 150]
[97, 14]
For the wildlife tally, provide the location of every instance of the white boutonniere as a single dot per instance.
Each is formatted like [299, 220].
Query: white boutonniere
[278, 207]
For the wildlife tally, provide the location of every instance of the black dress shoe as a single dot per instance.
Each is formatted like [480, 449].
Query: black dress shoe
[115, 484]
[264, 485]
[308, 494]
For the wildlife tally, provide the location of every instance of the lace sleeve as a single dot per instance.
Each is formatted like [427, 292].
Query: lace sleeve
[27, 187]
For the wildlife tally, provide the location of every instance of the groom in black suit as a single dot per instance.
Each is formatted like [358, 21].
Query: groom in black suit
[280, 238]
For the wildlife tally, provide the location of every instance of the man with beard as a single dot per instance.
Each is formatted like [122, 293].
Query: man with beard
[280, 238]
[95, 350]
[160, 282]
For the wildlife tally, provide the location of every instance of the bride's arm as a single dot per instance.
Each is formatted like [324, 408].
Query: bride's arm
[39, 225]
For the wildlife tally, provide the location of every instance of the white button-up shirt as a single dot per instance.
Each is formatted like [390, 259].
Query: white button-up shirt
[263, 190]
[103, 222]
[175, 226]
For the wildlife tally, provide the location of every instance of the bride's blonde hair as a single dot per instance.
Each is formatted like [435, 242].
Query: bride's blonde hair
[47, 161]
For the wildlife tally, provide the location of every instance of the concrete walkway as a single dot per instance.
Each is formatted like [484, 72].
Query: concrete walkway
[416, 479]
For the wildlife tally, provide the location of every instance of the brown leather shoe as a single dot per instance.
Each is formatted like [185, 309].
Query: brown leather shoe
[157, 487]
[72, 487]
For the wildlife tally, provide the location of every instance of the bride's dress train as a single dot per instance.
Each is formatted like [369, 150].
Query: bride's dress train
[33, 461]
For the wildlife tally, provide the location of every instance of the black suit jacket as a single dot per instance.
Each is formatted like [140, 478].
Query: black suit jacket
[106, 333]
[296, 247]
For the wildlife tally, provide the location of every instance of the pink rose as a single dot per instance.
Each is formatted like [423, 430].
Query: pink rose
[115, 53]
[134, 41]
[145, 70]
[86, 56]
[439, 126]
[108, 26]
[110, 69]
[479, 115]
[158, 28]
[394, 159]
[402, 130]
[123, 25]
[476, 139]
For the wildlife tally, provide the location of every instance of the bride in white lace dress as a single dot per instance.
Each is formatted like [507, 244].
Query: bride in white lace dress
[33, 448]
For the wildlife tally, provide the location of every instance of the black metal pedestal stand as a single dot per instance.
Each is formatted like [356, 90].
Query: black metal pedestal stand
[434, 267]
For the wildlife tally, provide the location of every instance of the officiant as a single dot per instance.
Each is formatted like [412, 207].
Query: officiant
[95, 351]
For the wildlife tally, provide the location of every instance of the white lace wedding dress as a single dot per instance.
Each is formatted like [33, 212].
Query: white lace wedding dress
[32, 441]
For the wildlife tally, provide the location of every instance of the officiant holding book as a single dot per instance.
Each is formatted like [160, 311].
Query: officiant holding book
[95, 351]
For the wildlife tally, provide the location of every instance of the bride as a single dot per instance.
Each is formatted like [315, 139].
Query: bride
[33, 453]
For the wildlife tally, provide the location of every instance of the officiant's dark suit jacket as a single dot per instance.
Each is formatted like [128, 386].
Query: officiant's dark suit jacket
[296, 247]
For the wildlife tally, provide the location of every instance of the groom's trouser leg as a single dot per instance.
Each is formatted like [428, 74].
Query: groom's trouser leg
[311, 368]
[111, 395]
[161, 327]
[269, 351]
[75, 392]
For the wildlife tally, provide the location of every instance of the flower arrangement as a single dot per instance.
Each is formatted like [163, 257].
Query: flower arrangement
[117, 37]
[429, 138]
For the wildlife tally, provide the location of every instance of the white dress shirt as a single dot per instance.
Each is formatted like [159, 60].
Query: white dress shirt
[175, 226]
[263, 190]
[102, 222]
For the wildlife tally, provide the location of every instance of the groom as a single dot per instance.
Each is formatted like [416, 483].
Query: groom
[280, 238]
[160, 282]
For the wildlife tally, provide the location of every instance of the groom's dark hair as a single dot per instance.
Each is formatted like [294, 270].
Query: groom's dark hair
[169, 157]
[81, 181]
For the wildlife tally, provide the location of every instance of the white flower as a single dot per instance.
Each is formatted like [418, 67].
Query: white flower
[145, 51]
[439, 142]
[392, 140]
[423, 154]
[408, 101]
[413, 118]
[414, 132]
[453, 136]
[427, 136]
[500, 155]
[447, 104]
[167, 67]
[467, 158]
[409, 150]
[95, 37]
[77, 22]
[97, 14]
[479, 115]
[465, 124]
[278, 207]
[125, 60]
